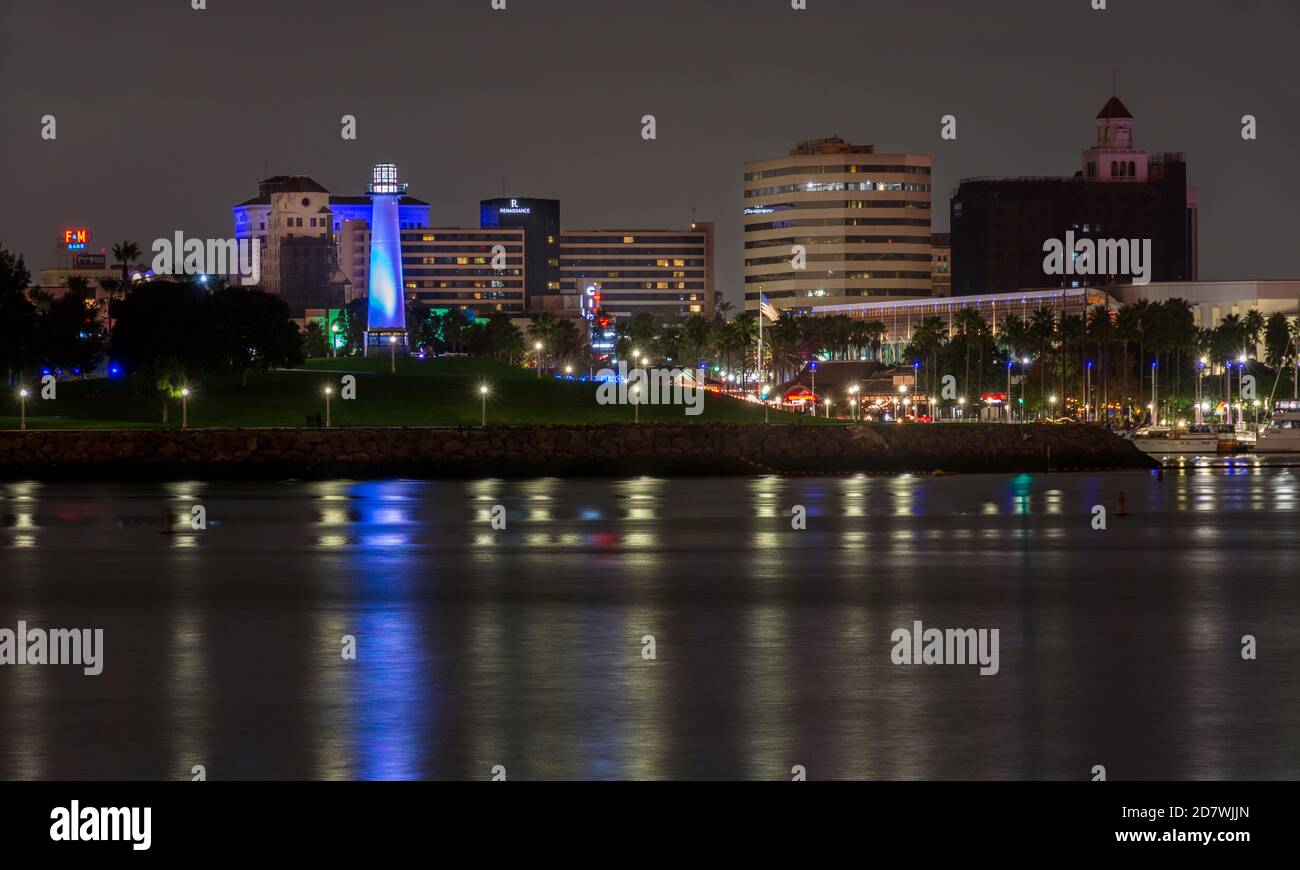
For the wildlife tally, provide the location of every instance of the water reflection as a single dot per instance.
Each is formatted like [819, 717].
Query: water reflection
[657, 629]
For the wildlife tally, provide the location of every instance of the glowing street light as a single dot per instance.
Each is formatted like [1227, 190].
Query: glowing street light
[185, 413]
[538, 348]
[636, 403]
[392, 354]
[767, 388]
[853, 402]
[483, 394]
[328, 393]
[828, 409]
[22, 409]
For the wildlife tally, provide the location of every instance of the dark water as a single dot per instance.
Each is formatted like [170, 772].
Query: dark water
[523, 647]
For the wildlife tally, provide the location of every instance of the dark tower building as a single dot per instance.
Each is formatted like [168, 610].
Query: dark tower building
[999, 225]
[540, 221]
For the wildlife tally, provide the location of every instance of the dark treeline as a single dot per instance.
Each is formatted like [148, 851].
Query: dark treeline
[163, 334]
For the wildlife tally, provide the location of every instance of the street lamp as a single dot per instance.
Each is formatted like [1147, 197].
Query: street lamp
[962, 403]
[22, 409]
[328, 422]
[483, 394]
[766, 389]
[185, 415]
[538, 348]
[636, 403]
[853, 402]
[392, 354]
[828, 409]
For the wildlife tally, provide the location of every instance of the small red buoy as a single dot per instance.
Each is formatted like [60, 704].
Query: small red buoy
[1123, 508]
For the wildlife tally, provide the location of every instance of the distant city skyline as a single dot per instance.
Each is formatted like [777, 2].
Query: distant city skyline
[545, 100]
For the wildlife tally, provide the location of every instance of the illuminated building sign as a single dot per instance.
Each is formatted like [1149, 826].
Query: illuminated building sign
[761, 209]
[515, 208]
[76, 238]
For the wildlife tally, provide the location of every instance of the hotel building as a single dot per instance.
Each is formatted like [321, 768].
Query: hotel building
[446, 267]
[1120, 192]
[668, 273]
[863, 219]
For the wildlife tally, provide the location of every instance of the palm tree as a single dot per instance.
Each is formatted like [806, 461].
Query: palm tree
[967, 321]
[721, 308]
[125, 253]
[1042, 328]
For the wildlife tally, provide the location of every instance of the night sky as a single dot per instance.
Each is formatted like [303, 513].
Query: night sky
[166, 116]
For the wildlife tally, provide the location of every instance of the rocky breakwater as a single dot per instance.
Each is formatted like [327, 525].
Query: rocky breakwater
[529, 451]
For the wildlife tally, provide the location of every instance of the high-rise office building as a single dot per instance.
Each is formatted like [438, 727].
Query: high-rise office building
[999, 225]
[835, 223]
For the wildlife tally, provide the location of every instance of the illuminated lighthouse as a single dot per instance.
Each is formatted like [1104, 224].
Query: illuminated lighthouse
[386, 323]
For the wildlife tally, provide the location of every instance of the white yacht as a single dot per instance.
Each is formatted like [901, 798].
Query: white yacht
[1166, 439]
[1281, 435]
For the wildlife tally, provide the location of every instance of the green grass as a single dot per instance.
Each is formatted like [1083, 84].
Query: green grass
[423, 393]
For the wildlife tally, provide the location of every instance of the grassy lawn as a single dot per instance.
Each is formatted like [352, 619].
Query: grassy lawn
[423, 393]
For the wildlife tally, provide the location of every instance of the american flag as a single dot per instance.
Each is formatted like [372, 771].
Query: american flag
[766, 309]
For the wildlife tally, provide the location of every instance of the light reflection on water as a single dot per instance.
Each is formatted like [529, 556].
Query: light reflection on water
[526, 647]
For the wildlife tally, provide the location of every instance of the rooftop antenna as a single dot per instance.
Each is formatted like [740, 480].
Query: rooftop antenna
[1114, 82]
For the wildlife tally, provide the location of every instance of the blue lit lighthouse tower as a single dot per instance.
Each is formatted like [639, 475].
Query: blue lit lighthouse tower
[386, 323]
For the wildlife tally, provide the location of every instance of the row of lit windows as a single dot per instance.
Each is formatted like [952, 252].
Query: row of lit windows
[818, 187]
[790, 241]
[838, 222]
[675, 254]
[837, 274]
[568, 240]
[849, 168]
[833, 292]
[840, 203]
[840, 258]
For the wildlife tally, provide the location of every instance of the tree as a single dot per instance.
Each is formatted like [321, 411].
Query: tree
[1277, 340]
[67, 332]
[17, 317]
[315, 341]
[251, 330]
[124, 253]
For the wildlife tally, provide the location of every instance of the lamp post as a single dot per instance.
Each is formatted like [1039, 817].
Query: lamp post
[1024, 368]
[961, 403]
[812, 368]
[1241, 400]
[1087, 393]
[185, 415]
[392, 354]
[537, 348]
[1200, 376]
[853, 403]
[1010, 415]
[828, 409]
[328, 421]
[483, 394]
[22, 409]
[899, 404]
[766, 389]
[636, 403]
